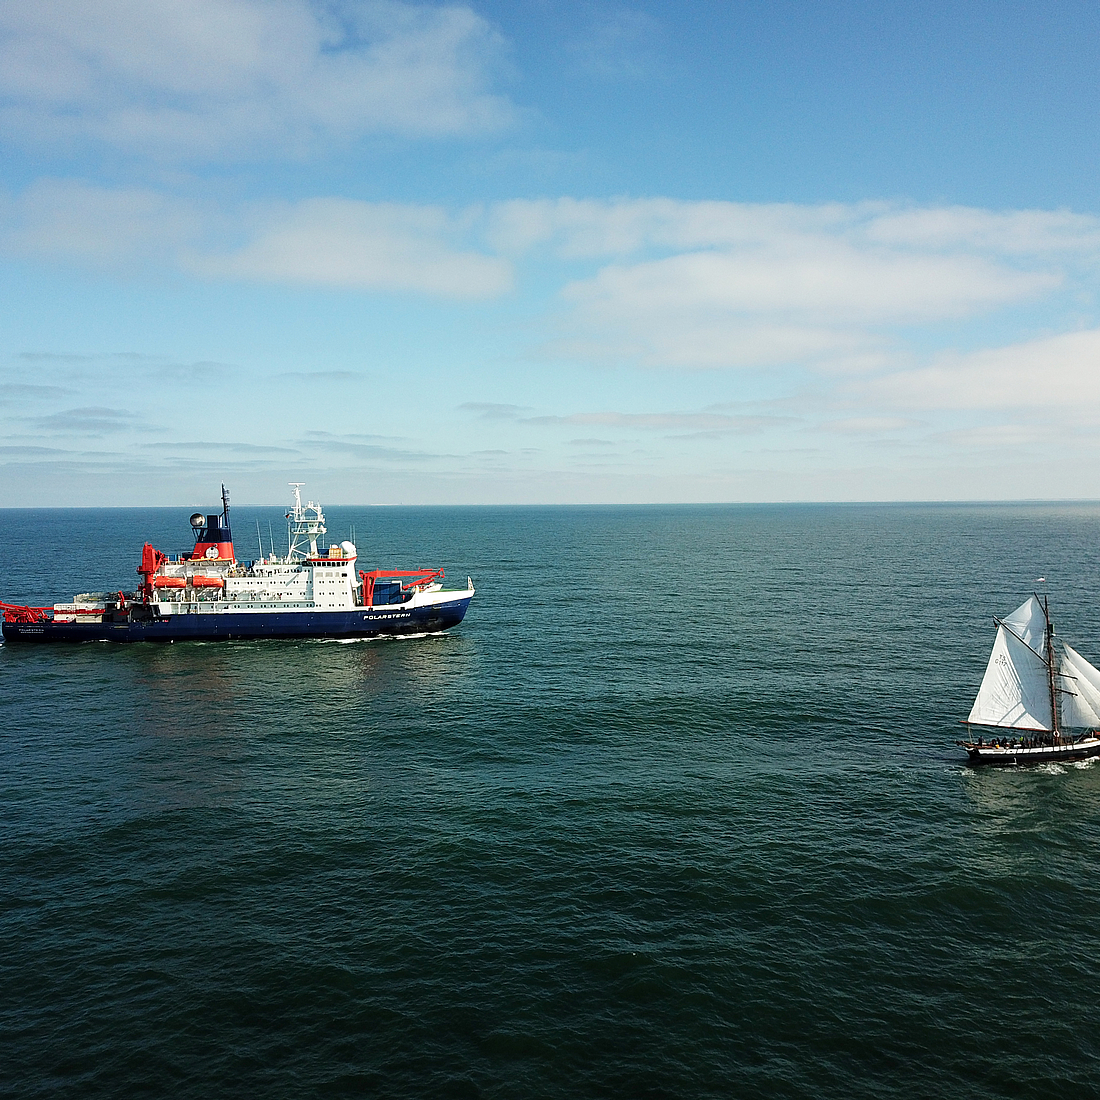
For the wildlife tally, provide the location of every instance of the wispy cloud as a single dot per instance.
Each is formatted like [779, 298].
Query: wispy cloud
[66, 357]
[18, 391]
[870, 425]
[90, 420]
[691, 422]
[122, 362]
[240, 78]
[348, 447]
[208, 446]
[326, 375]
[491, 410]
[617, 42]
[314, 436]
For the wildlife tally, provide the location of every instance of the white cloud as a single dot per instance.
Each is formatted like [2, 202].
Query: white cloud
[1013, 232]
[805, 300]
[1060, 371]
[369, 246]
[69, 220]
[243, 77]
[594, 228]
[817, 280]
[652, 282]
[318, 242]
[718, 284]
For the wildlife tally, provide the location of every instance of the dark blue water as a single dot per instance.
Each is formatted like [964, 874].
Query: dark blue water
[675, 812]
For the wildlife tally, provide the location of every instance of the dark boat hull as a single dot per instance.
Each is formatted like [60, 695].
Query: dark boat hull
[223, 626]
[1010, 757]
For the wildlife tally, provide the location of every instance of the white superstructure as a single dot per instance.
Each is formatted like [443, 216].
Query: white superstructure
[310, 578]
[315, 591]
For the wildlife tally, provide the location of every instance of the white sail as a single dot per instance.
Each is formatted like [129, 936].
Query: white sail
[1029, 624]
[1015, 691]
[1080, 690]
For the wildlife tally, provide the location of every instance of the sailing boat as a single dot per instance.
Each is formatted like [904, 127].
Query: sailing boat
[1043, 703]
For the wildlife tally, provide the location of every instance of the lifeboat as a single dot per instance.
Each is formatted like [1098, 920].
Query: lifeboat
[169, 582]
[199, 580]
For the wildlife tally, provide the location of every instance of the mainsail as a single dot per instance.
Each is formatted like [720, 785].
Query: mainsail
[1039, 687]
[1015, 691]
[1018, 685]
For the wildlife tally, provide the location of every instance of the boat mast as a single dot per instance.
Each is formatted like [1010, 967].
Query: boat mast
[1056, 733]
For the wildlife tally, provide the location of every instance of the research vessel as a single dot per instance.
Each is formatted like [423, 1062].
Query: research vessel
[1038, 702]
[207, 594]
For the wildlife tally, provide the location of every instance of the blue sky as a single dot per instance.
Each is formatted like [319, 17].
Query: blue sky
[548, 252]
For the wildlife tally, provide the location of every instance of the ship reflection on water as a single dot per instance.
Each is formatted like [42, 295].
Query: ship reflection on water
[300, 718]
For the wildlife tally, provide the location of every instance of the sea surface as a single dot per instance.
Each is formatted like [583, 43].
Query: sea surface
[676, 812]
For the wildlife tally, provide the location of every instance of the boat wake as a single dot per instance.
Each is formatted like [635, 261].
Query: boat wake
[371, 638]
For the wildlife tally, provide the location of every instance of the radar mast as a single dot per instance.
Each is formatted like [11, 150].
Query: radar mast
[305, 524]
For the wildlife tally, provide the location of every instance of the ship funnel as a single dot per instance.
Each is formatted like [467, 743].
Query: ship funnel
[213, 539]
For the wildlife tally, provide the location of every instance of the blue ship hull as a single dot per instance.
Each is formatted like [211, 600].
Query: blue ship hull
[361, 622]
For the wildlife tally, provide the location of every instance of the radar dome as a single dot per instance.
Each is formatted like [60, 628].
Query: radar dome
[348, 548]
[198, 520]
